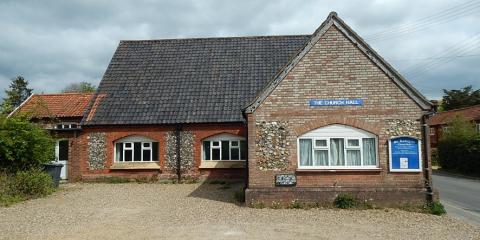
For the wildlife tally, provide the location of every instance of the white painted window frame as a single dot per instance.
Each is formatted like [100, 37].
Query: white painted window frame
[478, 127]
[140, 139]
[329, 137]
[220, 138]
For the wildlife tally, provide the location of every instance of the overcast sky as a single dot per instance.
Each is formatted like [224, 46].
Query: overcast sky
[54, 43]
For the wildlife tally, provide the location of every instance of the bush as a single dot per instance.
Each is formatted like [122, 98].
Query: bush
[436, 208]
[434, 157]
[459, 148]
[31, 184]
[345, 201]
[23, 145]
[24, 185]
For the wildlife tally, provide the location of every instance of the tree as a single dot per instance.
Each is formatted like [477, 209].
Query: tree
[465, 97]
[23, 145]
[82, 87]
[16, 94]
[459, 147]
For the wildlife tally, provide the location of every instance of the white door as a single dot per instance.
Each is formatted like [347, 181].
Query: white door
[61, 156]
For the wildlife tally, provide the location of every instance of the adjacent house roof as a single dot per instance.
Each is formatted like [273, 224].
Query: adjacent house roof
[469, 113]
[55, 105]
[207, 80]
[187, 80]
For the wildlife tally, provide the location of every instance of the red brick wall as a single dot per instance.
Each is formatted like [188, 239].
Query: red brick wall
[334, 69]
[79, 169]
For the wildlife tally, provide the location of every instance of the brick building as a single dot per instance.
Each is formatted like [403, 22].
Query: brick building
[318, 110]
[440, 121]
[61, 115]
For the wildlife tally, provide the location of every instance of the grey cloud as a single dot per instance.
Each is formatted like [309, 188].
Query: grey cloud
[54, 43]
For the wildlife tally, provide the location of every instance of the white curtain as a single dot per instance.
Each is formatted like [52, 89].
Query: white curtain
[336, 152]
[353, 158]
[369, 151]
[321, 158]
[305, 152]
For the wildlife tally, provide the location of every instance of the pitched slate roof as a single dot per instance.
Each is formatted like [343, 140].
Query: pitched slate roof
[188, 80]
[55, 105]
[469, 113]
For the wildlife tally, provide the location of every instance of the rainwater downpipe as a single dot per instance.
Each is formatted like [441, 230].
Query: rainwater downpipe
[426, 156]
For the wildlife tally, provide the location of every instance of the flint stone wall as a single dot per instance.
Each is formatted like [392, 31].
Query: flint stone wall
[272, 145]
[186, 151]
[97, 151]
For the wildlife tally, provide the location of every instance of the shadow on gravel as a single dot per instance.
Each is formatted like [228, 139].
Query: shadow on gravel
[219, 190]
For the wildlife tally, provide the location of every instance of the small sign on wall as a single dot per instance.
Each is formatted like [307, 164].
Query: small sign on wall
[405, 154]
[335, 102]
[285, 180]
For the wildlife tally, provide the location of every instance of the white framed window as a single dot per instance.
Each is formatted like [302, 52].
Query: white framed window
[478, 127]
[224, 147]
[336, 147]
[432, 131]
[136, 149]
[446, 129]
[66, 126]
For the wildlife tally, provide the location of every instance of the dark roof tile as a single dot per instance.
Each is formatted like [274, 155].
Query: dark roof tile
[188, 80]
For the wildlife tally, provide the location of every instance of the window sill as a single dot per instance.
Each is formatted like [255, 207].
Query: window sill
[135, 165]
[223, 164]
[339, 170]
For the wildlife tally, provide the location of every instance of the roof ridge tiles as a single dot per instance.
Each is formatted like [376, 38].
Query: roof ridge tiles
[214, 38]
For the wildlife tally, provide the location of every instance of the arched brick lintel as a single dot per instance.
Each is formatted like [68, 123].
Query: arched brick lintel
[325, 121]
[233, 133]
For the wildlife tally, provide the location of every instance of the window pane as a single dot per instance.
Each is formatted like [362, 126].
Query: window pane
[336, 152]
[155, 151]
[369, 152]
[63, 150]
[128, 145]
[128, 155]
[320, 158]
[225, 150]
[243, 150]
[234, 143]
[206, 150]
[215, 143]
[353, 158]
[235, 154]
[146, 145]
[353, 143]
[321, 143]
[146, 155]
[215, 154]
[305, 152]
[137, 147]
[119, 153]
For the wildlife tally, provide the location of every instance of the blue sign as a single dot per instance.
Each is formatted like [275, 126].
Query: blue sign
[405, 154]
[336, 102]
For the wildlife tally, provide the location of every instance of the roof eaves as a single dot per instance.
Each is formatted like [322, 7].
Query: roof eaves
[20, 106]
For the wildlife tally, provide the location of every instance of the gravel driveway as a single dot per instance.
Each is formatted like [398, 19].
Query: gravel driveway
[204, 211]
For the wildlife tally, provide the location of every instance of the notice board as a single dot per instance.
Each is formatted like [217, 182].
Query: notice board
[405, 154]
